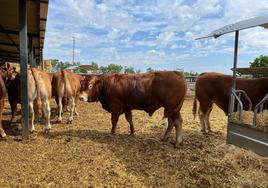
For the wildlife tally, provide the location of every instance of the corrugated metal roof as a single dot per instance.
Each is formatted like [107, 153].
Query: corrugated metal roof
[9, 27]
[245, 24]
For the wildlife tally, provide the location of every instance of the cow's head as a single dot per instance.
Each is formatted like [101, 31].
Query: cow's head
[90, 88]
[7, 72]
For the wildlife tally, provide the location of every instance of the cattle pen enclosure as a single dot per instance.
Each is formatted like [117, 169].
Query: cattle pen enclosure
[85, 154]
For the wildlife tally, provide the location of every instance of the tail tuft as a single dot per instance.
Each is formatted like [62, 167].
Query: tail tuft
[194, 108]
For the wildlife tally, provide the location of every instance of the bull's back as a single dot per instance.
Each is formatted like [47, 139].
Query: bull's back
[146, 91]
[215, 87]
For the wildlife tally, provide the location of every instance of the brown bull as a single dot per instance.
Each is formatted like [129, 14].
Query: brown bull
[39, 89]
[66, 87]
[121, 93]
[215, 88]
[5, 75]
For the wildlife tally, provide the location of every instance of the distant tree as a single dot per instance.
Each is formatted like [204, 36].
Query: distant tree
[129, 70]
[261, 61]
[59, 65]
[111, 68]
[191, 73]
[150, 69]
[138, 71]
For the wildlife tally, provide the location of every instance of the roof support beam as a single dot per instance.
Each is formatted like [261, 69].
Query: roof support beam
[9, 37]
[24, 68]
[12, 32]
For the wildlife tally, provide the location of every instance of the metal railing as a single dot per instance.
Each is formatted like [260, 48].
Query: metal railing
[239, 102]
[259, 108]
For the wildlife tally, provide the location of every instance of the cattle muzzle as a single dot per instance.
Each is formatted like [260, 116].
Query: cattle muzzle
[83, 97]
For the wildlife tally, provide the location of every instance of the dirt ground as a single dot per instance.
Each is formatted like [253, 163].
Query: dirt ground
[84, 154]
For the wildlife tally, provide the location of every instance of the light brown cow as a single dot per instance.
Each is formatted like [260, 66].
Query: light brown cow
[66, 87]
[212, 87]
[121, 93]
[39, 89]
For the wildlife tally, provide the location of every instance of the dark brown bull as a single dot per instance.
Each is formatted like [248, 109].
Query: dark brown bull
[5, 75]
[215, 88]
[121, 93]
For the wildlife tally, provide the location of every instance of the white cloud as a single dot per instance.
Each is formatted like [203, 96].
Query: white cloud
[105, 31]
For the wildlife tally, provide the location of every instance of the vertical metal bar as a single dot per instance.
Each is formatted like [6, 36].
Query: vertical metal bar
[231, 97]
[41, 59]
[31, 56]
[239, 96]
[234, 69]
[235, 59]
[24, 68]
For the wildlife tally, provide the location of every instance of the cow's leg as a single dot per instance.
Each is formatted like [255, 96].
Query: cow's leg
[75, 111]
[2, 132]
[46, 110]
[75, 108]
[31, 120]
[72, 105]
[59, 109]
[207, 123]
[177, 122]
[203, 112]
[202, 120]
[168, 131]
[128, 116]
[115, 117]
[13, 111]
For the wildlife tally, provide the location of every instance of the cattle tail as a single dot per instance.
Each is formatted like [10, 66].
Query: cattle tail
[194, 107]
[38, 102]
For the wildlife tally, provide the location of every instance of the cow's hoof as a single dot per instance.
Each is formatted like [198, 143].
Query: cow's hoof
[3, 138]
[206, 132]
[58, 120]
[32, 131]
[47, 131]
[176, 145]
[3, 135]
[165, 139]
[69, 121]
[132, 135]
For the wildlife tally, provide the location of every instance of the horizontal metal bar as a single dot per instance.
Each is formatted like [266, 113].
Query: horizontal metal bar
[7, 52]
[13, 32]
[265, 99]
[45, 2]
[8, 44]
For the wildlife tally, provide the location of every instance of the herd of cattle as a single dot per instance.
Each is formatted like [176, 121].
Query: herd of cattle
[121, 93]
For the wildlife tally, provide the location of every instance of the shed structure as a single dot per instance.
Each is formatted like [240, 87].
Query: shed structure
[22, 36]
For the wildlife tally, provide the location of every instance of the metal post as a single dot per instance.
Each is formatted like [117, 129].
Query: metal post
[24, 68]
[231, 97]
[41, 59]
[32, 63]
[234, 71]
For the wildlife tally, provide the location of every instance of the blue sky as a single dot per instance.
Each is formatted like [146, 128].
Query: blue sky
[153, 33]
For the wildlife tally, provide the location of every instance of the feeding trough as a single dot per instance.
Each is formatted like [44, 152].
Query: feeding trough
[247, 136]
